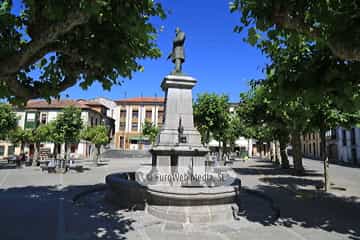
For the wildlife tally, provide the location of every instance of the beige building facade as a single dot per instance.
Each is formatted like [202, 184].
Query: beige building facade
[311, 145]
[342, 145]
[130, 116]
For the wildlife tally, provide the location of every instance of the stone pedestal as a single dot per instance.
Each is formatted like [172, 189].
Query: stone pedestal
[179, 143]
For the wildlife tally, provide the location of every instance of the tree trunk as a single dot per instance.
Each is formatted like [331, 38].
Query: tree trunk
[55, 150]
[67, 152]
[297, 155]
[220, 154]
[36, 154]
[284, 157]
[324, 158]
[22, 147]
[98, 154]
[249, 151]
[277, 152]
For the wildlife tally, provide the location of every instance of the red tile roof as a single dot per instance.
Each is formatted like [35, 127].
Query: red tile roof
[139, 100]
[58, 104]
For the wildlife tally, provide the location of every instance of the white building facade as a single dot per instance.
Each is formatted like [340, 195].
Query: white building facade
[41, 112]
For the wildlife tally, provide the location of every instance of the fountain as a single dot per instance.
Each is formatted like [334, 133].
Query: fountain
[181, 184]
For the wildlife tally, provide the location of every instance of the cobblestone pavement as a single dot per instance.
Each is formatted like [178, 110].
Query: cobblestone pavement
[38, 205]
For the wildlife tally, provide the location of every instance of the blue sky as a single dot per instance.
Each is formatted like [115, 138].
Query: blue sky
[215, 55]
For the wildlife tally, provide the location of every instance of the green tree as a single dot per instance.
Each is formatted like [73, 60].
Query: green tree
[313, 58]
[68, 125]
[150, 130]
[327, 85]
[326, 22]
[8, 120]
[211, 117]
[337, 105]
[98, 135]
[40, 134]
[262, 120]
[22, 137]
[79, 41]
[56, 136]
[231, 133]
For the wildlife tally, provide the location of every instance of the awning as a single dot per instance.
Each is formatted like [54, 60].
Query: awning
[138, 138]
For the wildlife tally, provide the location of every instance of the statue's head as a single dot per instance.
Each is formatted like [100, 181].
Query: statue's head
[177, 30]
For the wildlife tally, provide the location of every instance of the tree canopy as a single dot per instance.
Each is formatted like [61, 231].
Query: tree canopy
[21, 136]
[97, 135]
[8, 120]
[332, 23]
[68, 125]
[211, 113]
[150, 130]
[50, 46]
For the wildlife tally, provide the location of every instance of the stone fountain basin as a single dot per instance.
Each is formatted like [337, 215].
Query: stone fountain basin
[191, 196]
[175, 203]
[128, 191]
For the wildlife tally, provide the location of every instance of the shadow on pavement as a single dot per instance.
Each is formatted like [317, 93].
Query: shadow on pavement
[48, 212]
[316, 210]
[272, 170]
[293, 182]
[303, 206]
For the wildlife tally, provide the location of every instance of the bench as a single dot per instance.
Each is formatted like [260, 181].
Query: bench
[11, 161]
[43, 163]
[51, 169]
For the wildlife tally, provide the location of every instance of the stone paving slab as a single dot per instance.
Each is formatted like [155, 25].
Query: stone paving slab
[38, 205]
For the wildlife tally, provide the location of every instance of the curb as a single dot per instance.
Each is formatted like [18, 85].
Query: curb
[98, 188]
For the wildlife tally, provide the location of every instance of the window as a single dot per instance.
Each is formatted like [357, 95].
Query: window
[353, 136]
[31, 120]
[344, 137]
[333, 134]
[122, 126]
[73, 148]
[160, 117]
[135, 114]
[11, 150]
[91, 121]
[30, 117]
[43, 118]
[2, 150]
[309, 147]
[96, 121]
[122, 142]
[123, 114]
[314, 149]
[148, 115]
[353, 155]
[134, 126]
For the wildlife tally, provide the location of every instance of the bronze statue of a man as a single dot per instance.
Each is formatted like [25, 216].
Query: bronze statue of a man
[177, 55]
